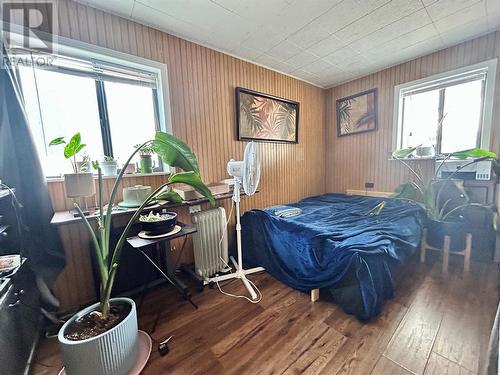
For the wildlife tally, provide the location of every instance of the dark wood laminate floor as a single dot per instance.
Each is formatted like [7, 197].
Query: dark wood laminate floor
[434, 325]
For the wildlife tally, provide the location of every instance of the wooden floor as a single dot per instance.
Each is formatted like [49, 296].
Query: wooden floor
[434, 325]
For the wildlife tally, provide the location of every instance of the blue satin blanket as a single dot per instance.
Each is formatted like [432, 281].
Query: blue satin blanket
[334, 243]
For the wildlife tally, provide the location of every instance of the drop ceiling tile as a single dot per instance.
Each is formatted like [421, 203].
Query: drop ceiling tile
[326, 46]
[319, 67]
[492, 6]
[347, 12]
[302, 58]
[284, 50]
[165, 22]
[494, 20]
[306, 75]
[342, 56]
[444, 8]
[263, 39]
[119, 7]
[308, 35]
[245, 53]
[461, 17]
[463, 32]
[260, 12]
[267, 60]
[284, 67]
[377, 19]
[204, 14]
[400, 27]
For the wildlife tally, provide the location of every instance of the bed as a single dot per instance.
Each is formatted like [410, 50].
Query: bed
[336, 246]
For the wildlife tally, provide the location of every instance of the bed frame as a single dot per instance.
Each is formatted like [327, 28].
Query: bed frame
[367, 193]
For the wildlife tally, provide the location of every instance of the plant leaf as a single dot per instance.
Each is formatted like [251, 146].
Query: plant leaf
[403, 153]
[57, 141]
[71, 147]
[193, 179]
[408, 190]
[169, 195]
[474, 153]
[175, 153]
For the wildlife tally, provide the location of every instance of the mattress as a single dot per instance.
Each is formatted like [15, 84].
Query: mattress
[335, 244]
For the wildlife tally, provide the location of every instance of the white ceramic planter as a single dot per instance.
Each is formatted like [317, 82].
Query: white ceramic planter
[111, 353]
[79, 185]
[108, 168]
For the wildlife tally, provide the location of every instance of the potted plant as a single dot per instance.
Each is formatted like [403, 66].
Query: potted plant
[146, 163]
[80, 183]
[110, 345]
[443, 200]
[108, 166]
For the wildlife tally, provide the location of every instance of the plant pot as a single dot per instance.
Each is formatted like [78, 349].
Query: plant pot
[146, 164]
[79, 185]
[108, 168]
[436, 230]
[113, 352]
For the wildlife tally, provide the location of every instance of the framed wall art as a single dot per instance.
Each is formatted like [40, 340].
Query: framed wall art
[266, 118]
[357, 113]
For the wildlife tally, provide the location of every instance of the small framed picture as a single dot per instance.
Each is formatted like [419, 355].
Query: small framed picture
[357, 113]
[265, 118]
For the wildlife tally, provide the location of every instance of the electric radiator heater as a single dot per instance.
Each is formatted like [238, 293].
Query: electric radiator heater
[208, 247]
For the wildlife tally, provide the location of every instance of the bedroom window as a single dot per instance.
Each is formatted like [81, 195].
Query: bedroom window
[447, 112]
[114, 104]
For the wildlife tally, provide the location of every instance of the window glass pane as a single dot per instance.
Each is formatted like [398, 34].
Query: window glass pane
[131, 117]
[420, 119]
[68, 105]
[462, 111]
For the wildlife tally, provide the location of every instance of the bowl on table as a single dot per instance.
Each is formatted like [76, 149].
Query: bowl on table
[160, 223]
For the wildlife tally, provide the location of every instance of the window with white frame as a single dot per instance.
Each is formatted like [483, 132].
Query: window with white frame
[446, 112]
[113, 103]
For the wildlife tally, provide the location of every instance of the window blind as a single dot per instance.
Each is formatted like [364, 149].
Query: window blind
[93, 68]
[479, 75]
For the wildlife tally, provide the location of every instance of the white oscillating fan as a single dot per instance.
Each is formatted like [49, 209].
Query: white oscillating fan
[246, 172]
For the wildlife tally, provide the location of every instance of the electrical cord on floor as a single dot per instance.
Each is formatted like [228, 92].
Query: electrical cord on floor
[238, 296]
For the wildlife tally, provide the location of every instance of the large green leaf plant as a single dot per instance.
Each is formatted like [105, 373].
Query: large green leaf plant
[430, 194]
[174, 153]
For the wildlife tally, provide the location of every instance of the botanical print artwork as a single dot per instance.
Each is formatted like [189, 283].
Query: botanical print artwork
[266, 118]
[357, 113]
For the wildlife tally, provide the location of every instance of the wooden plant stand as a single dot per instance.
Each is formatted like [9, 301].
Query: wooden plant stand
[446, 251]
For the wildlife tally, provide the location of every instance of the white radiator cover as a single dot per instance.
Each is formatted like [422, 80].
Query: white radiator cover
[211, 227]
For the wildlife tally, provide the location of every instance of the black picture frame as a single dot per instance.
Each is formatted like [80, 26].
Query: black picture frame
[339, 102]
[243, 137]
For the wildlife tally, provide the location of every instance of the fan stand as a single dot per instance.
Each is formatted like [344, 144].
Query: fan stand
[239, 273]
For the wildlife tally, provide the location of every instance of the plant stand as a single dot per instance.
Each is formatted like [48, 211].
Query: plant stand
[466, 252]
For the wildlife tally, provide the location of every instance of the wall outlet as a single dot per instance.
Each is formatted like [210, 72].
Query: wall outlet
[194, 209]
[369, 185]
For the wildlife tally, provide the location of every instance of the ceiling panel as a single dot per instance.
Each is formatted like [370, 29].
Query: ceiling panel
[325, 42]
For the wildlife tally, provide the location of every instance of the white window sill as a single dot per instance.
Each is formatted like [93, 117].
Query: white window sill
[128, 175]
[415, 158]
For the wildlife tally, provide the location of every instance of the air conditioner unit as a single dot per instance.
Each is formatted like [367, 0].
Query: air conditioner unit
[475, 171]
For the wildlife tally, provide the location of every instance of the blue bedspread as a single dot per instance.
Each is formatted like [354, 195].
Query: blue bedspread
[334, 240]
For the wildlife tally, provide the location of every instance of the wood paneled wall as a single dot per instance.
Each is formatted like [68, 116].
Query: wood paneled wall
[355, 159]
[202, 83]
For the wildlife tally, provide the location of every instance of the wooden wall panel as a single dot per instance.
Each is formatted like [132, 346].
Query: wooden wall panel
[355, 159]
[202, 84]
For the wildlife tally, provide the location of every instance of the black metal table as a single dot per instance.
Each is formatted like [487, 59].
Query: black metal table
[168, 269]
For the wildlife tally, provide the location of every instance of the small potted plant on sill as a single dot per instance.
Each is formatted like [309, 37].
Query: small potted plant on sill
[108, 165]
[80, 183]
[444, 200]
[146, 162]
[102, 339]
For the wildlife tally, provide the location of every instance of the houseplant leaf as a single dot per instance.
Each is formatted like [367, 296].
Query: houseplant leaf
[175, 152]
[73, 145]
[57, 141]
[193, 179]
[403, 153]
[169, 195]
[474, 153]
[408, 190]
